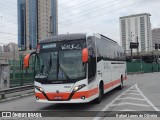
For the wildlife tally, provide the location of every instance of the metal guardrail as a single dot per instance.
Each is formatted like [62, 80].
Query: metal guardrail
[15, 89]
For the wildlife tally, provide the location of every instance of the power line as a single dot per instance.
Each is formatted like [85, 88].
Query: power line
[96, 6]
[99, 9]
[113, 10]
[10, 22]
[92, 2]
[8, 18]
[105, 13]
[7, 7]
[7, 33]
[65, 2]
[100, 15]
[9, 36]
[10, 4]
[4, 19]
[18, 34]
[91, 29]
[86, 20]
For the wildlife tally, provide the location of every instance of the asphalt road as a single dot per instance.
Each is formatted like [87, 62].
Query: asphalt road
[140, 93]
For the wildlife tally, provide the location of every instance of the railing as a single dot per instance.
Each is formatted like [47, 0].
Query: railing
[20, 76]
[3, 93]
[21, 82]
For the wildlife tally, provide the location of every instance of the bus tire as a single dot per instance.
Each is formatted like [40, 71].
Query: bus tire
[98, 100]
[120, 87]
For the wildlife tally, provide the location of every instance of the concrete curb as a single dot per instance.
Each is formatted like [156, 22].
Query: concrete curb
[135, 73]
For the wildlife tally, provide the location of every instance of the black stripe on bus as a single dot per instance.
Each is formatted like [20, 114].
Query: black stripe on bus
[117, 63]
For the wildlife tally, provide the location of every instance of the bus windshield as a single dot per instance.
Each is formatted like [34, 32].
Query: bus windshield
[60, 65]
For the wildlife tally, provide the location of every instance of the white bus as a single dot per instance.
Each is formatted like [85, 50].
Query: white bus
[77, 68]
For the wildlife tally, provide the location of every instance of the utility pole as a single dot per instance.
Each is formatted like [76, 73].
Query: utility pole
[131, 55]
[138, 54]
[158, 51]
[138, 46]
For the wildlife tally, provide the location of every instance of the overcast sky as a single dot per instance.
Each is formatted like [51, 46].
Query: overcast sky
[79, 16]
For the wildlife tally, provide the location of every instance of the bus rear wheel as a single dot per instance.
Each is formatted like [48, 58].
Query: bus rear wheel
[120, 87]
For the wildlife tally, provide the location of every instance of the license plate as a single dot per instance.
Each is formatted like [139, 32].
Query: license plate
[57, 97]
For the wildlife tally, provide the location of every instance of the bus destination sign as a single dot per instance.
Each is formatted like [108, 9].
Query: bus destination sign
[48, 46]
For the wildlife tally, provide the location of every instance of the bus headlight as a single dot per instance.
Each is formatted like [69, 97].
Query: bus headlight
[78, 87]
[39, 88]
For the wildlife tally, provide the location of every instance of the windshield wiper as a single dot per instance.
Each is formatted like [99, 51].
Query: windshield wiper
[49, 65]
[57, 64]
[59, 67]
[65, 74]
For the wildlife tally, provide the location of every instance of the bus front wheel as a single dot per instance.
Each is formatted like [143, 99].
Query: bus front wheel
[98, 100]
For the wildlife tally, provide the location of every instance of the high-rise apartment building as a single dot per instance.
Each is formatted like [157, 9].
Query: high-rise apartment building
[135, 28]
[156, 37]
[37, 20]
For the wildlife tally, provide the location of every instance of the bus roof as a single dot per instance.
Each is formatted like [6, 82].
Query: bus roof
[63, 37]
[108, 38]
[73, 36]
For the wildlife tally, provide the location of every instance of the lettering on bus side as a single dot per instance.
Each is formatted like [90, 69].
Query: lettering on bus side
[106, 65]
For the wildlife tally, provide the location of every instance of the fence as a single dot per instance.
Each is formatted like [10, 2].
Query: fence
[133, 67]
[20, 76]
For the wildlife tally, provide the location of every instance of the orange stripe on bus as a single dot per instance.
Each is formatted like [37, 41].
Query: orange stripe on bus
[116, 82]
[65, 96]
[110, 84]
[40, 95]
[77, 95]
[51, 96]
[87, 94]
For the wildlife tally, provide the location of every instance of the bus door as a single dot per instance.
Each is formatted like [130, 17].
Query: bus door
[92, 63]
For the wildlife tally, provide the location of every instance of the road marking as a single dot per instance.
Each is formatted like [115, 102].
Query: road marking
[127, 110]
[132, 94]
[149, 102]
[133, 90]
[129, 103]
[108, 105]
[131, 98]
[111, 104]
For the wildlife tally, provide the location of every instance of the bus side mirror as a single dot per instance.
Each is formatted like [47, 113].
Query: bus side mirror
[85, 55]
[26, 61]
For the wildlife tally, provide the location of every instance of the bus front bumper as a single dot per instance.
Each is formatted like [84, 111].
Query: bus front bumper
[69, 101]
